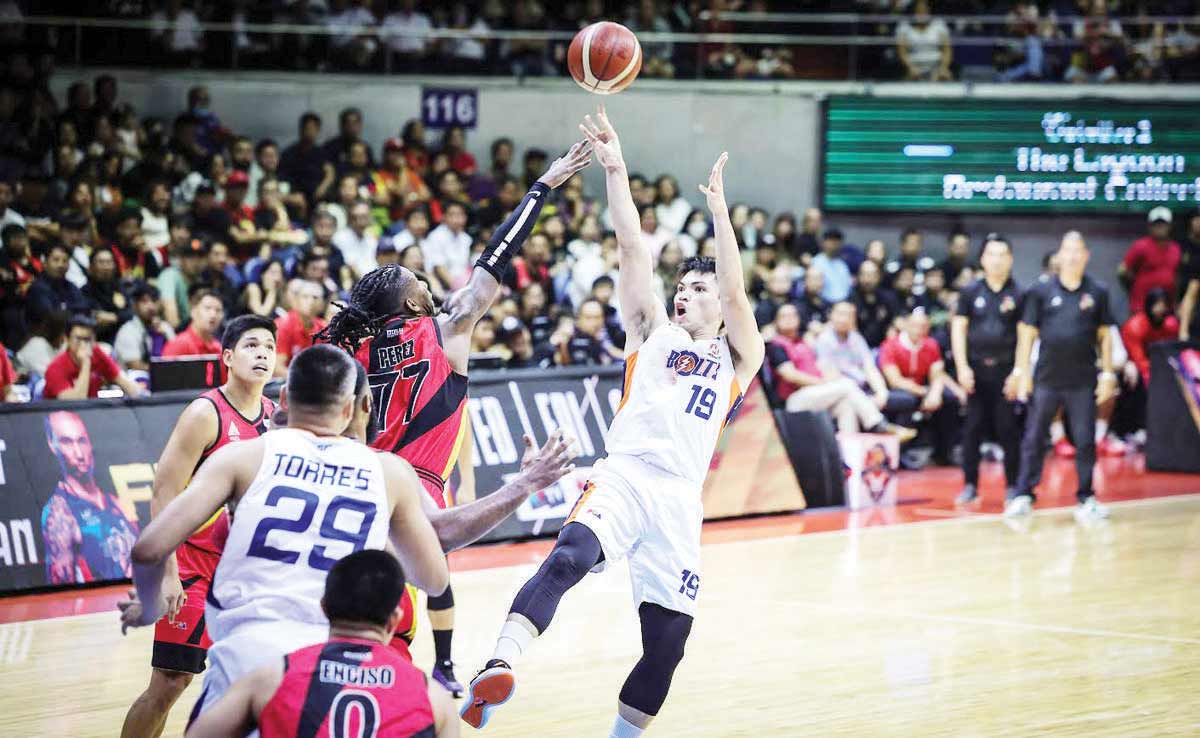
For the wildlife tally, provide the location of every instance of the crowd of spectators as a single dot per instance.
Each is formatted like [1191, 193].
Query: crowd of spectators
[882, 348]
[134, 239]
[937, 40]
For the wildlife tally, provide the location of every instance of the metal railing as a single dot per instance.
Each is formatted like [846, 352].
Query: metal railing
[85, 41]
[952, 20]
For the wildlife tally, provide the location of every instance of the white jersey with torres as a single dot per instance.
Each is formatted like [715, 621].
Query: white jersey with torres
[314, 500]
[678, 396]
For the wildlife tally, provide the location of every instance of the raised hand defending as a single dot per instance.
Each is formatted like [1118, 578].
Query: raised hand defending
[578, 157]
[552, 462]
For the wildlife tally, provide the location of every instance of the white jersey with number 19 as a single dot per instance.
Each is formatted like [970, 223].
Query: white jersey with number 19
[314, 500]
[678, 396]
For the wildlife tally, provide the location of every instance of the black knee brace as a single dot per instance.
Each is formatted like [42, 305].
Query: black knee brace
[664, 633]
[575, 553]
[444, 601]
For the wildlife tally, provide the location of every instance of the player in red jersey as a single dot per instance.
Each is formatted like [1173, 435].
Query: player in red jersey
[236, 411]
[352, 684]
[416, 361]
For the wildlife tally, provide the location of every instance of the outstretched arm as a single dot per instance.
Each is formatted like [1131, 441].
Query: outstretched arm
[745, 342]
[641, 311]
[464, 308]
[213, 485]
[459, 526]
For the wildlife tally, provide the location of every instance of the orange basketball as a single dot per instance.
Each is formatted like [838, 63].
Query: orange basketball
[604, 58]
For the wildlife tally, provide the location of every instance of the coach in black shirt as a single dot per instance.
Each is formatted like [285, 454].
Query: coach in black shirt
[1070, 314]
[983, 334]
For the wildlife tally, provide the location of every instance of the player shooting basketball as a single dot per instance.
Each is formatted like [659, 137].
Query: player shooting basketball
[416, 359]
[683, 380]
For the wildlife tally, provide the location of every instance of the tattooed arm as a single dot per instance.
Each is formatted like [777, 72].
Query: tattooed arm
[60, 532]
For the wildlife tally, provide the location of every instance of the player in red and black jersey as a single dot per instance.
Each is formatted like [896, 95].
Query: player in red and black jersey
[352, 684]
[416, 362]
[235, 411]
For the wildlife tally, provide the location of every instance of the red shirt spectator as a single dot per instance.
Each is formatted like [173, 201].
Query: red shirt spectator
[241, 216]
[463, 163]
[8, 375]
[291, 337]
[799, 353]
[200, 338]
[236, 205]
[1139, 332]
[913, 361]
[526, 273]
[1152, 260]
[190, 343]
[63, 371]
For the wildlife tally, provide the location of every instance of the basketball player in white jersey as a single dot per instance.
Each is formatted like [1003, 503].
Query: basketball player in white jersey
[300, 498]
[683, 380]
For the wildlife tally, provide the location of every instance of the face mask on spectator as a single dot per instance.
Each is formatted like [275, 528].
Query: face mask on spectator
[697, 229]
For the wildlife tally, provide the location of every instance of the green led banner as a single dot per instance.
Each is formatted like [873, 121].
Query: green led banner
[1031, 156]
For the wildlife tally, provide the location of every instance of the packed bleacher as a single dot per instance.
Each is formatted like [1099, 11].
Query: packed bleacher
[134, 238]
[1095, 41]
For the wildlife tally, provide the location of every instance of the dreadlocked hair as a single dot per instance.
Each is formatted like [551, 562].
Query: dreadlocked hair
[377, 298]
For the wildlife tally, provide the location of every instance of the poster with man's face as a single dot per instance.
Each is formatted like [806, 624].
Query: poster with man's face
[75, 489]
[86, 534]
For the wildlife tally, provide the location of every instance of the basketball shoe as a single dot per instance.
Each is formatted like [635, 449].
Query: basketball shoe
[492, 686]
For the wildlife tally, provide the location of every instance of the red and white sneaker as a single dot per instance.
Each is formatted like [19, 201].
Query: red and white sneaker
[1063, 449]
[492, 686]
[1110, 447]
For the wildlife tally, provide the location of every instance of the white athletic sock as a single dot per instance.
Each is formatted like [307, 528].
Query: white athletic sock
[1101, 429]
[622, 728]
[1057, 432]
[514, 639]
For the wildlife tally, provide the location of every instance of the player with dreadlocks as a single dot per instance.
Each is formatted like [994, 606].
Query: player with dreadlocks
[416, 362]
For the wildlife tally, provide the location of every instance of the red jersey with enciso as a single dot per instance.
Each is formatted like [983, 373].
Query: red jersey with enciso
[418, 398]
[348, 688]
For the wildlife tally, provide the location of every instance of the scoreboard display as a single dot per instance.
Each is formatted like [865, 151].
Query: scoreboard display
[1028, 156]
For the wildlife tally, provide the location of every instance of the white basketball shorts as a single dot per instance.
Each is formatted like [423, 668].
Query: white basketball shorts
[653, 518]
[250, 647]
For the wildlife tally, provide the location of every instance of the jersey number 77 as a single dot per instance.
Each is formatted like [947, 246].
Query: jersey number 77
[383, 386]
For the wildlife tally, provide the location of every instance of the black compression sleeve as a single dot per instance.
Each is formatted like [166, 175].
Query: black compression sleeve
[511, 234]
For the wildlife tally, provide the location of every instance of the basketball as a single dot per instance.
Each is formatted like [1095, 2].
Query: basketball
[604, 58]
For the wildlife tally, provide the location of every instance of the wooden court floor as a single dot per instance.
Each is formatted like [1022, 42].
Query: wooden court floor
[956, 627]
